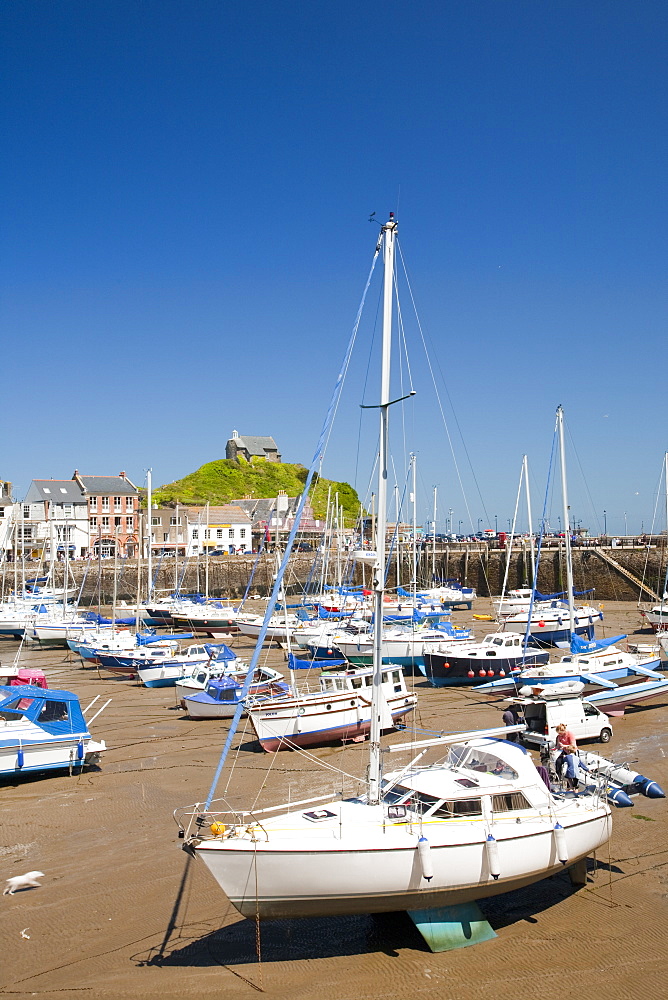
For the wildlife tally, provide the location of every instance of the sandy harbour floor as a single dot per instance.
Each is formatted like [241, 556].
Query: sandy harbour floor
[123, 912]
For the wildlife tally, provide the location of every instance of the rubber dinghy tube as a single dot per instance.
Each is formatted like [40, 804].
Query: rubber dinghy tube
[560, 843]
[648, 787]
[424, 855]
[618, 796]
[492, 850]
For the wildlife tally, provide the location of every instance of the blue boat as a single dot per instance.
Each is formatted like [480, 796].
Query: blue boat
[44, 730]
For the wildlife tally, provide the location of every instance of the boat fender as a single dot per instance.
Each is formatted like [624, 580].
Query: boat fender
[492, 849]
[424, 855]
[20, 759]
[80, 750]
[648, 787]
[502, 672]
[470, 673]
[541, 624]
[618, 796]
[446, 665]
[560, 843]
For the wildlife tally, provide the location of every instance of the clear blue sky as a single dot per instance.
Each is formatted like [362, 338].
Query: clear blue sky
[186, 188]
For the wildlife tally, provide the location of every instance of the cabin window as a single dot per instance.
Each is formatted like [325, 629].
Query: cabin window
[396, 676]
[490, 652]
[474, 759]
[327, 684]
[458, 808]
[510, 802]
[54, 711]
[20, 704]
[357, 682]
[201, 678]
[498, 642]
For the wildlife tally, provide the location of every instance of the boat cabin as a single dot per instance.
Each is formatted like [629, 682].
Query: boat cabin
[354, 680]
[476, 779]
[58, 712]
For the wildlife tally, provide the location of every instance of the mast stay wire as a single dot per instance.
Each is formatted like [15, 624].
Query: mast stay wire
[440, 404]
[316, 462]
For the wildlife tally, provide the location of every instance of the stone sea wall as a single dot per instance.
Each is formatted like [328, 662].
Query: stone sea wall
[475, 567]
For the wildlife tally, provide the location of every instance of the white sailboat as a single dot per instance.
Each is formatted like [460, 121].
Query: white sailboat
[476, 822]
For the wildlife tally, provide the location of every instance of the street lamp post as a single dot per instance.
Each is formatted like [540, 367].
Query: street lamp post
[625, 528]
[496, 524]
[605, 523]
[479, 523]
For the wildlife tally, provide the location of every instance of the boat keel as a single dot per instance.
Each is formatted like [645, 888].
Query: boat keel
[446, 928]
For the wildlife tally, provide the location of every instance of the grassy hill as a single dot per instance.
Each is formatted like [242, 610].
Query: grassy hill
[225, 480]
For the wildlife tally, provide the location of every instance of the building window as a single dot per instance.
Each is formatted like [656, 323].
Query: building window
[231, 533]
[207, 533]
[242, 533]
[67, 510]
[195, 534]
[219, 533]
[129, 503]
[93, 522]
[165, 536]
[155, 520]
[175, 520]
[26, 510]
[117, 522]
[93, 503]
[117, 503]
[105, 503]
[105, 522]
[129, 523]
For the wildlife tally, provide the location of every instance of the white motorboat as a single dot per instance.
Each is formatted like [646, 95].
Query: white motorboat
[224, 694]
[280, 627]
[339, 710]
[44, 730]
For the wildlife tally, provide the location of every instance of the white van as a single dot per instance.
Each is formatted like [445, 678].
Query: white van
[543, 714]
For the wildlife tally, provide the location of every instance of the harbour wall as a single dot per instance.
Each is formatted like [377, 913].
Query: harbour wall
[614, 574]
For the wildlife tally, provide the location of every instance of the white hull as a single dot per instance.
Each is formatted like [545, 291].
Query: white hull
[49, 754]
[319, 718]
[350, 871]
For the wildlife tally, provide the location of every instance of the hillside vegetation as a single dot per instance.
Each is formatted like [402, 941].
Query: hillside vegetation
[225, 480]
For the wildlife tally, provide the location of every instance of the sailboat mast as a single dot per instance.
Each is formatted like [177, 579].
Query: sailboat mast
[149, 554]
[413, 501]
[389, 233]
[567, 527]
[525, 465]
[433, 542]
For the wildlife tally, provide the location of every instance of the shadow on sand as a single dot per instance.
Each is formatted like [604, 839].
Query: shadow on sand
[331, 937]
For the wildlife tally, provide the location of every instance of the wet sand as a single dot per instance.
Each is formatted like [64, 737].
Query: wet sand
[123, 912]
